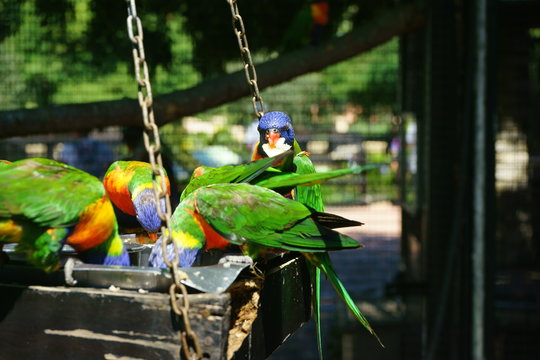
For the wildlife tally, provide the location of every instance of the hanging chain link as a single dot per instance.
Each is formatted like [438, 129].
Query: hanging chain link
[189, 339]
[249, 68]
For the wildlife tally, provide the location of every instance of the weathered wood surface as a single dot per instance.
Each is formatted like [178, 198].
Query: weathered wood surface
[58, 322]
[285, 306]
[38, 322]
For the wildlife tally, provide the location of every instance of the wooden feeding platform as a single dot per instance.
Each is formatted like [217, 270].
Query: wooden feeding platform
[125, 312]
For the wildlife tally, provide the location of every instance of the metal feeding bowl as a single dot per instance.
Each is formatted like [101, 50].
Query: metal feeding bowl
[138, 253]
[138, 247]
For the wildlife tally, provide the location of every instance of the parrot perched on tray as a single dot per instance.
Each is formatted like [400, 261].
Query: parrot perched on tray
[258, 220]
[45, 204]
[129, 186]
[277, 135]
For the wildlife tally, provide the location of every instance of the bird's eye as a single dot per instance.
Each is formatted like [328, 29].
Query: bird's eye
[285, 128]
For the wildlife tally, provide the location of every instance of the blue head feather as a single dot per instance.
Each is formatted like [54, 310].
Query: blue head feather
[186, 257]
[98, 256]
[146, 212]
[279, 121]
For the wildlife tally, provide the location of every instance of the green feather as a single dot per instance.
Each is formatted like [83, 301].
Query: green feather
[276, 180]
[46, 203]
[250, 215]
[231, 174]
[40, 199]
[261, 221]
[308, 195]
[312, 197]
[315, 277]
[323, 262]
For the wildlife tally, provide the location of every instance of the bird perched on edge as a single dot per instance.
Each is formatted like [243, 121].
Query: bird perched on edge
[129, 186]
[45, 204]
[276, 135]
[258, 220]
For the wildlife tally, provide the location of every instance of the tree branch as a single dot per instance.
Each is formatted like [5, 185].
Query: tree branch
[212, 93]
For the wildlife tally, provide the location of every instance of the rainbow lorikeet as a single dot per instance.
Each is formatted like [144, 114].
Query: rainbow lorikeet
[276, 135]
[45, 204]
[129, 186]
[258, 220]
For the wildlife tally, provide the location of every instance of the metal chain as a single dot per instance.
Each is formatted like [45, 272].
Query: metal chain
[249, 68]
[153, 146]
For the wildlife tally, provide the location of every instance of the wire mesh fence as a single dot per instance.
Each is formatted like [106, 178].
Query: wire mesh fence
[343, 115]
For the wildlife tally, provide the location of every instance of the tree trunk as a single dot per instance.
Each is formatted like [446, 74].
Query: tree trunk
[212, 93]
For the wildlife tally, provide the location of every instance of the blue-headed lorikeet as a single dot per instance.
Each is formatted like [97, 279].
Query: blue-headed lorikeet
[276, 134]
[129, 186]
[45, 204]
[258, 220]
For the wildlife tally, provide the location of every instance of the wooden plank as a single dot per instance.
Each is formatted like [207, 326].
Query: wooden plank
[51, 322]
[285, 304]
[82, 323]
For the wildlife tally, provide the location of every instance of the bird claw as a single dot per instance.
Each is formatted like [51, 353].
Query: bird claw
[236, 259]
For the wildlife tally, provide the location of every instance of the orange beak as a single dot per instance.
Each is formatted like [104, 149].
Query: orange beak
[153, 237]
[272, 138]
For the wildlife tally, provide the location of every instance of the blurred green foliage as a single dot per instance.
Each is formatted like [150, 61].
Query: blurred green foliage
[74, 51]
[76, 46]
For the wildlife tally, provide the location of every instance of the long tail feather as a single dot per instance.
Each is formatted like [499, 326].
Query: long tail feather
[294, 179]
[323, 261]
[315, 275]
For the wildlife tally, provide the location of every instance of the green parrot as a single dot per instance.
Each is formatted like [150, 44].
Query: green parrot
[45, 204]
[258, 220]
[276, 134]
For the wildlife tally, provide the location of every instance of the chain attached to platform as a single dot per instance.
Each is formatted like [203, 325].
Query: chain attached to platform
[152, 144]
[249, 68]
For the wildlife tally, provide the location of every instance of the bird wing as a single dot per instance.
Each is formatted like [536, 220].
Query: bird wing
[275, 179]
[254, 216]
[231, 174]
[55, 203]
